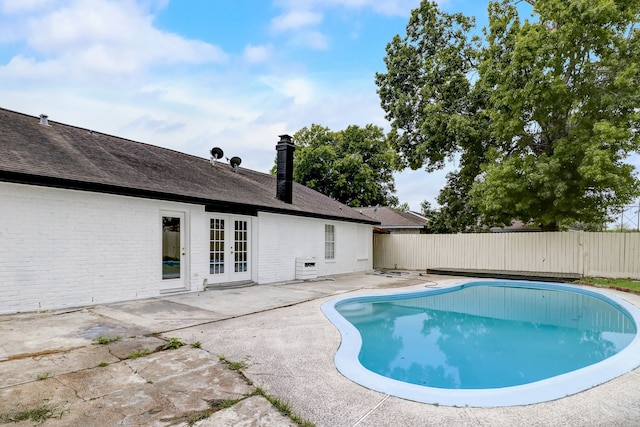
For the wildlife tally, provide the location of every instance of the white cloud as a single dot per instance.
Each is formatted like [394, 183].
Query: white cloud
[311, 39]
[396, 7]
[28, 68]
[23, 6]
[294, 20]
[299, 89]
[102, 37]
[302, 18]
[256, 54]
[384, 7]
[387, 7]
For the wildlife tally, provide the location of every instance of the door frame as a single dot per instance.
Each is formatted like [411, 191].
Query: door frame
[230, 275]
[180, 283]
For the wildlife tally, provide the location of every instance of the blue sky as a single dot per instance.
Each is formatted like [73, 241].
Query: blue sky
[194, 74]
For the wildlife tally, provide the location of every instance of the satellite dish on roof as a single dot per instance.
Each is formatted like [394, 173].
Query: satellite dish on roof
[216, 153]
[235, 162]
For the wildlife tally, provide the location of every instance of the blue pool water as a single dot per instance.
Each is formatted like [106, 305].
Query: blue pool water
[476, 342]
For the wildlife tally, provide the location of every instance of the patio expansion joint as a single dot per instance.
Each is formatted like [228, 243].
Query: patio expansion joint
[372, 410]
[239, 316]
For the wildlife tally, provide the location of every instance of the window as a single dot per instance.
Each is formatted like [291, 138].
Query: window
[329, 242]
[216, 247]
[241, 247]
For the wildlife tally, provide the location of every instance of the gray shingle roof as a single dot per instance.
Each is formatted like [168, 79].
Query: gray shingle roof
[393, 218]
[71, 157]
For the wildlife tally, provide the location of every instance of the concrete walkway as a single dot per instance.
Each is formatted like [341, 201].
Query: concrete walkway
[284, 343]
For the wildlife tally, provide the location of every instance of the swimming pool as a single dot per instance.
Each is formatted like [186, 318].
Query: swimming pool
[488, 343]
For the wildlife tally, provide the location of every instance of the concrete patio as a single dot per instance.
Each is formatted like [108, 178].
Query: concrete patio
[281, 337]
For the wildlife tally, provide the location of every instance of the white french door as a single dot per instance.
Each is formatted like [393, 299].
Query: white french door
[229, 248]
[174, 251]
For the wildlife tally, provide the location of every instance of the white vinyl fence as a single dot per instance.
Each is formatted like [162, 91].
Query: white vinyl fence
[588, 254]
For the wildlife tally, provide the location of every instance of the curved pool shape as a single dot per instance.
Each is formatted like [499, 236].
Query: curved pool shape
[485, 344]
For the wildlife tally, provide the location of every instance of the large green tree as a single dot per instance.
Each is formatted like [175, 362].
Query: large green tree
[543, 112]
[354, 166]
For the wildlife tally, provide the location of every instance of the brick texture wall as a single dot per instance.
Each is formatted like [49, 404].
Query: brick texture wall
[282, 239]
[64, 248]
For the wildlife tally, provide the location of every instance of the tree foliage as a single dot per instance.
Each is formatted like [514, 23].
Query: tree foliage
[542, 113]
[456, 213]
[354, 166]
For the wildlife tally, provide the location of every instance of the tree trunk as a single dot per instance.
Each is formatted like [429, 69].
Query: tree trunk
[553, 226]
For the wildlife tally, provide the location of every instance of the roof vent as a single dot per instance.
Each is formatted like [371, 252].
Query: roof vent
[235, 162]
[216, 153]
[44, 120]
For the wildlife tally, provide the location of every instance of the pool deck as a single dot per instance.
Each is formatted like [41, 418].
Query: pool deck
[280, 334]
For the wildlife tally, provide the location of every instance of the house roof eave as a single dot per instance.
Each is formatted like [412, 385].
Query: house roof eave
[209, 204]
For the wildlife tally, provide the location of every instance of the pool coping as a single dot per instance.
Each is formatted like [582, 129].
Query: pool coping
[346, 359]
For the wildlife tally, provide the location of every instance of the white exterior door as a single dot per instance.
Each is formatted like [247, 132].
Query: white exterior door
[229, 248]
[174, 251]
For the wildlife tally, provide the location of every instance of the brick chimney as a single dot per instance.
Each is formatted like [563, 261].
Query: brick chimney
[284, 180]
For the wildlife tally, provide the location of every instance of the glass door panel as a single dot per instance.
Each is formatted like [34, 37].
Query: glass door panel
[171, 247]
[216, 246]
[241, 253]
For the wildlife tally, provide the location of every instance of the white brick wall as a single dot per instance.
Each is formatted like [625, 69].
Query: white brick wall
[65, 248]
[62, 248]
[283, 238]
[198, 248]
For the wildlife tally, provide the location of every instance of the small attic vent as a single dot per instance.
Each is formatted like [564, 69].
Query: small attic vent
[44, 120]
[216, 153]
[235, 162]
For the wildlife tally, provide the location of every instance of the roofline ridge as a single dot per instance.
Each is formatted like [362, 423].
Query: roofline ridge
[96, 132]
